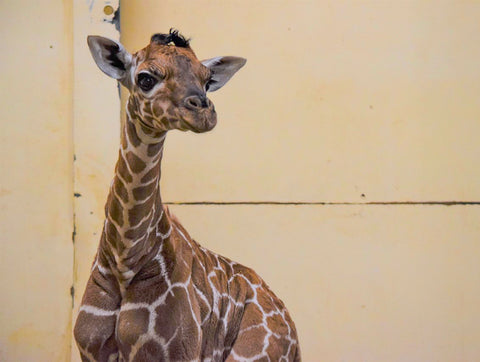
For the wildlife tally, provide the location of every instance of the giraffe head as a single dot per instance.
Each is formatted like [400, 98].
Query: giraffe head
[168, 85]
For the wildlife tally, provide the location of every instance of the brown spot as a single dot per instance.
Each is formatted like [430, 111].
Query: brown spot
[121, 190]
[123, 170]
[136, 164]
[132, 134]
[136, 213]
[245, 288]
[277, 348]
[115, 210]
[277, 324]
[173, 314]
[96, 333]
[131, 325]
[154, 148]
[142, 192]
[157, 111]
[147, 285]
[135, 233]
[150, 351]
[247, 272]
[265, 301]
[250, 342]
[147, 109]
[149, 175]
[199, 279]
[112, 232]
[99, 282]
[164, 122]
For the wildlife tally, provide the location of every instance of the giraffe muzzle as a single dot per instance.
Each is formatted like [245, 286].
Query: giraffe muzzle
[199, 113]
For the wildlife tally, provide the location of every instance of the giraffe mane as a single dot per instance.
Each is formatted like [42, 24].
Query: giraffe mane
[173, 36]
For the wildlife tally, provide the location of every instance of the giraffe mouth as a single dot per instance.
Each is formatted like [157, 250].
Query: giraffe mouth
[199, 122]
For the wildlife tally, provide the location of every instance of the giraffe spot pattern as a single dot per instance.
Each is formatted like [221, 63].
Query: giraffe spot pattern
[136, 164]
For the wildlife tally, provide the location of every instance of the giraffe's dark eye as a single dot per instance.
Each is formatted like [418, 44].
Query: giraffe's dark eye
[146, 82]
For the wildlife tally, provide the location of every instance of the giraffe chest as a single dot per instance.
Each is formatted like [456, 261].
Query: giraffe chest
[185, 317]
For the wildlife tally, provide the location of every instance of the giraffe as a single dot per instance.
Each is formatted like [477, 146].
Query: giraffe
[155, 294]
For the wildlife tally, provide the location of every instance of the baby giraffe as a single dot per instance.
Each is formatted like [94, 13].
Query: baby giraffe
[154, 294]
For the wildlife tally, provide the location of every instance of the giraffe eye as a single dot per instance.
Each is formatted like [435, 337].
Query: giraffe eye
[146, 82]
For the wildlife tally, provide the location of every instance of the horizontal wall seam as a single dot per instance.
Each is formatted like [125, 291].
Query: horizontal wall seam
[325, 203]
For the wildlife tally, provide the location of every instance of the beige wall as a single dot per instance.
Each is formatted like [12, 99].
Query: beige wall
[52, 95]
[340, 102]
[338, 99]
[96, 138]
[36, 195]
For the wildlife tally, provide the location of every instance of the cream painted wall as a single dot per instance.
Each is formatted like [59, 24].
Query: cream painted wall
[96, 137]
[36, 203]
[341, 102]
[338, 99]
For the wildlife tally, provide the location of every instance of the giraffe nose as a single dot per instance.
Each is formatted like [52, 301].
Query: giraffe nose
[197, 102]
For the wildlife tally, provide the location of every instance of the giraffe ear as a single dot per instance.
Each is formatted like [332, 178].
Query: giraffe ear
[223, 68]
[110, 56]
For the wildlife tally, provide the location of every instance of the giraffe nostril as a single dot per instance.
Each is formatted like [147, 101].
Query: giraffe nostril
[196, 102]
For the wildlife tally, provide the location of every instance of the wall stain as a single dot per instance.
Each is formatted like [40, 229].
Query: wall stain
[116, 19]
[74, 231]
[34, 337]
[72, 294]
[4, 192]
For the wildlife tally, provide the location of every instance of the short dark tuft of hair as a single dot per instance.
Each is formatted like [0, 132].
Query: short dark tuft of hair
[173, 36]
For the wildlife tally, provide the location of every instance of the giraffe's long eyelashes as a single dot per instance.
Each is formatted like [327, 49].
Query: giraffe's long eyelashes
[146, 81]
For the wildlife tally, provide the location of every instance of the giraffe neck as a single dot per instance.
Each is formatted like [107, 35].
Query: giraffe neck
[134, 210]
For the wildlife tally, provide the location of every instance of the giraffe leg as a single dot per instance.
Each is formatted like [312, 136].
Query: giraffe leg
[95, 326]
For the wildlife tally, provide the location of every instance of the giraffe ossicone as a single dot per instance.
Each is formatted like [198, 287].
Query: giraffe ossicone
[155, 294]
